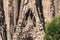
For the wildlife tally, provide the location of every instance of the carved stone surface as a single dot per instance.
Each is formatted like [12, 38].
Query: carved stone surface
[25, 19]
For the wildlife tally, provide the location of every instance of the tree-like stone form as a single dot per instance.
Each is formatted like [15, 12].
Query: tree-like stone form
[30, 23]
[8, 11]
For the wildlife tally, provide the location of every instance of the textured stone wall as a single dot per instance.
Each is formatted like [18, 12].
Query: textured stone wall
[32, 16]
[50, 8]
[46, 9]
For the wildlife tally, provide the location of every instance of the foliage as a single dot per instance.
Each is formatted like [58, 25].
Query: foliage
[52, 29]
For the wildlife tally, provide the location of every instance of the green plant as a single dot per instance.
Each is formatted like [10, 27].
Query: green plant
[52, 29]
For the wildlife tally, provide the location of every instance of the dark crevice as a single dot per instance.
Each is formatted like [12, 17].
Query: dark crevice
[27, 14]
[27, 2]
[34, 20]
[29, 38]
[2, 20]
[41, 16]
[52, 5]
[19, 3]
[5, 33]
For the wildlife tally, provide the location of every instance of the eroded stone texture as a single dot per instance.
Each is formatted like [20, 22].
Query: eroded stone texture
[46, 10]
[32, 15]
[27, 24]
[50, 9]
[57, 7]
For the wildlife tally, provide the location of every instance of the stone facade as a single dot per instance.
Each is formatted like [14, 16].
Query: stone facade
[32, 16]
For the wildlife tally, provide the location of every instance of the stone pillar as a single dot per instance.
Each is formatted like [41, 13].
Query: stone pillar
[46, 10]
[8, 11]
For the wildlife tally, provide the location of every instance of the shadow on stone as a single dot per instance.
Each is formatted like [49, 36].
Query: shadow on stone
[29, 38]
